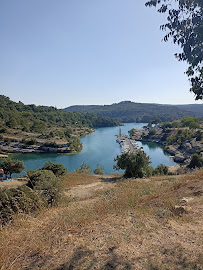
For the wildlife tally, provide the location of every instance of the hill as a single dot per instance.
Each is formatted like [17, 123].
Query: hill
[196, 108]
[28, 128]
[127, 111]
[107, 222]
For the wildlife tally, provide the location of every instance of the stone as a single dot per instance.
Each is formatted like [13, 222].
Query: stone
[179, 210]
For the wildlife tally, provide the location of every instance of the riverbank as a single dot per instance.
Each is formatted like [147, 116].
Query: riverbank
[180, 143]
[18, 142]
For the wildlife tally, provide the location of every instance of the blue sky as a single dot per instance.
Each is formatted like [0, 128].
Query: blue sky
[68, 52]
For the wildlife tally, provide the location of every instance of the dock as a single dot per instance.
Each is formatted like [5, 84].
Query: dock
[128, 145]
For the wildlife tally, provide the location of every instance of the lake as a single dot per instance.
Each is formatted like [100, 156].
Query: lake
[99, 147]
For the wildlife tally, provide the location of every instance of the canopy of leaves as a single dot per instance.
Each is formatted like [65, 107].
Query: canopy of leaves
[134, 164]
[38, 118]
[160, 170]
[127, 111]
[185, 27]
[99, 170]
[57, 168]
[84, 168]
[46, 183]
[196, 162]
[11, 166]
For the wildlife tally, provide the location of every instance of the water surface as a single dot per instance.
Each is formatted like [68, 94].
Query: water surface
[98, 147]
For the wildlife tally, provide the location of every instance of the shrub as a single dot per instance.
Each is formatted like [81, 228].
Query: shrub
[134, 164]
[99, 170]
[160, 170]
[84, 168]
[46, 183]
[11, 166]
[22, 199]
[57, 168]
[196, 162]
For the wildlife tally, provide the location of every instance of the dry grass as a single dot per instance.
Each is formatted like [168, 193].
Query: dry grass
[130, 225]
[75, 179]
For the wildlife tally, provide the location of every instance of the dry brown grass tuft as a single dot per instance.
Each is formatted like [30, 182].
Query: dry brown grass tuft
[75, 179]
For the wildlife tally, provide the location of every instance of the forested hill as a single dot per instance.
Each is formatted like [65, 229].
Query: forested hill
[196, 108]
[128, 111]
[32, 118]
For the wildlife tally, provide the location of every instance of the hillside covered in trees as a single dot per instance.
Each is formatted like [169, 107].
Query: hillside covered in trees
[128, 111]
[27, 128]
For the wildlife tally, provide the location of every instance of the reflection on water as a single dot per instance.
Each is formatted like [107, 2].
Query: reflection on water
[99, 147]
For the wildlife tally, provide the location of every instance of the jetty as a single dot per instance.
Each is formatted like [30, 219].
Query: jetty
[127, 145]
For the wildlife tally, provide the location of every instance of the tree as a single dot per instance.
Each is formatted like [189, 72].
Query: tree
[99, 170]
[46, 184]
[11, 166]
[185, 27]
[196, 162]
[57, 168]
[134, 164]
[160, 170]
[84, 168]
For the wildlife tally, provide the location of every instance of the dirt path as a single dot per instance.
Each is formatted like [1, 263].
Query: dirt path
[13, 183]
[87, 191]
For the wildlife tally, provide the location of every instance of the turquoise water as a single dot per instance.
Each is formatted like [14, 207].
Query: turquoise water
[99, 147]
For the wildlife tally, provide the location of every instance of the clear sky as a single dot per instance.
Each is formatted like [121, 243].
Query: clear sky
[68, 52]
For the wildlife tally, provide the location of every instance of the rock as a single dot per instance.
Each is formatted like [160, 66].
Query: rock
[188, 147]
[179, 210]
[179, 157]
[185, 200]
[171, 150]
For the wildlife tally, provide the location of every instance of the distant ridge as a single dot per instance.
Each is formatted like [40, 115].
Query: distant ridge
[128, 111]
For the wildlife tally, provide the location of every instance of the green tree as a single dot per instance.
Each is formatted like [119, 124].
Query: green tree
[99, 170]
[84, 168]
[57, 168]
[160, 170]
[46, 184]
[196, 162]
[11, 166]
[185, 27]
[134, 164]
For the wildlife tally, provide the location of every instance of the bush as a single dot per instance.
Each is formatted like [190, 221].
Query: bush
[134, 164]
[13, 201]
[57, 168]
[196, 162]
[160, 170]
[99, 170]
[11, 166]
[84, 168]
[149, 171]
[46, 183]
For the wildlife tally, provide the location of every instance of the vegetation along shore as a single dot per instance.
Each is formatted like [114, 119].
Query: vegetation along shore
[42, 129]
[180, 138]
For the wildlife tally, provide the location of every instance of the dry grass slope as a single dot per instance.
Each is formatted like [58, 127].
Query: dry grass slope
[118, 224]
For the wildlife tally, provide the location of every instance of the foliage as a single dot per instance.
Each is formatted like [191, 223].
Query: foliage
[127, 111]
[46, 183]
[11, 166]
[196, 162]
[40, 118]
[185, 27]
[22, 199]
[57, 168]
[190, 122]
[99, 170]
[84, 168]
[134, 164]
[160, 170]
[131, 132]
